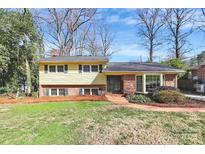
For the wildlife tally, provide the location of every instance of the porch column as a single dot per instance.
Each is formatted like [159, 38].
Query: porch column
[176, 84]
[144, 83]
[161, 80]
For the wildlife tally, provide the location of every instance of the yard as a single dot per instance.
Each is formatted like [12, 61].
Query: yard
[96, 123]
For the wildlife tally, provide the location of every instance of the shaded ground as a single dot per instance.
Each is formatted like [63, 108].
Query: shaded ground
[97, 123]
[7, 100]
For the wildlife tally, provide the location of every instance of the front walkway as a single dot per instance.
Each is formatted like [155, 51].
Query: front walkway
[121, 101]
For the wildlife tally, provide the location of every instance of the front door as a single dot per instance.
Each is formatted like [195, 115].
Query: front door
[114, 84]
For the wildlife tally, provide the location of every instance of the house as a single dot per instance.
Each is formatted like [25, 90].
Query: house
[87, 75]
[197, 72]
[196, 75]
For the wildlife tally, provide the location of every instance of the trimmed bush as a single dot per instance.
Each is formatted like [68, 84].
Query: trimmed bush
[3, 90]
[169, 96]
[138, 98]
[161, 88]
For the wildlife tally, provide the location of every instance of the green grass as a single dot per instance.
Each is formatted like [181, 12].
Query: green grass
[96, 123]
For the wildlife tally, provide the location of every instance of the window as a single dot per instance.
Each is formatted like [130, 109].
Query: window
[86, 91]
[53, 92]
[52, 68]
[60, 68]
[94, 68]
[86, 68]
[95, 92]
[139, 83]
[152, 82]
[61, 92]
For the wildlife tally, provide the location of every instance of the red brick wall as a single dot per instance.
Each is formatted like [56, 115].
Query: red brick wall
[201, 73]
[72, 90]
[129, 83]
[170, 79]
[194, 73]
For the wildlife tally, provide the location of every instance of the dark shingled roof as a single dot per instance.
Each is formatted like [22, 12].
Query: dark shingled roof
[139, 67]
[74, 59]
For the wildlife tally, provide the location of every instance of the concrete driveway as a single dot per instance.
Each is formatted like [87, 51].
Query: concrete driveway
[196, 97]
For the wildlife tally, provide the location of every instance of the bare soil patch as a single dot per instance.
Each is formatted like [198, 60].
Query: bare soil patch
[27, 100]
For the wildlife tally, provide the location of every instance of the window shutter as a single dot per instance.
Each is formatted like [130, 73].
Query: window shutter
[46, 68]
[100, 68]
[66, 92]
[46, 92]
[81, 91]
[66, 69]
[80, 68]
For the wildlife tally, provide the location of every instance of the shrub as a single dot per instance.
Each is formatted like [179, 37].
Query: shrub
[3, 90]
[169, 96]
[138, 98]
[161, 88]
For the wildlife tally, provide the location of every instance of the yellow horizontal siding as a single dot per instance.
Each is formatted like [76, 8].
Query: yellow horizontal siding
[73, 77]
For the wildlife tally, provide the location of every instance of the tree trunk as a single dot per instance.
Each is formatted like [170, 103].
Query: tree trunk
[151, 51]
[28, 77]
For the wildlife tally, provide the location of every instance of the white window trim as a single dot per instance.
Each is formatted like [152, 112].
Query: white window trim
[49, 68]
[57, 91]
[50, 91]
[90, 90]
[90, 65]
[144, 81]
[57, 68]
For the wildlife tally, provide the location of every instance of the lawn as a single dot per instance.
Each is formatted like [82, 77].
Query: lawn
[96, 123]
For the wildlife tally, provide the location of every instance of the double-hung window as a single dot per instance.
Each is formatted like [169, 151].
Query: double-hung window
[60, 68]
[61, 92]
[89, 91]
[54, 92]
[86, 68]
[52, 68]
[94, 68]
[90, 68]
[152, 82]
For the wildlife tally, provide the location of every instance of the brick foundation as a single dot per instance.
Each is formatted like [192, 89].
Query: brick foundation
[72, 90]
[129, 83]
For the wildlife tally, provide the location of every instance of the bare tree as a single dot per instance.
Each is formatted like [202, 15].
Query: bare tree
[180, 26]
[150, 23]
[100, 40]
[201, 20]
[63, 25]
[106, 40]
[92, 42]
[76, 19]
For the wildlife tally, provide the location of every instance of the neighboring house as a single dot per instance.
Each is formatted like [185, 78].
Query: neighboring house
[197, 72]
[197, 75]
[86, 75]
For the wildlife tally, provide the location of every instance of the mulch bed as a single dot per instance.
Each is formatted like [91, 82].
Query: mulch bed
[189, 104]
[28, 100]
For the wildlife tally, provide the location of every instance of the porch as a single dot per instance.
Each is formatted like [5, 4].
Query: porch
[140, 83]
